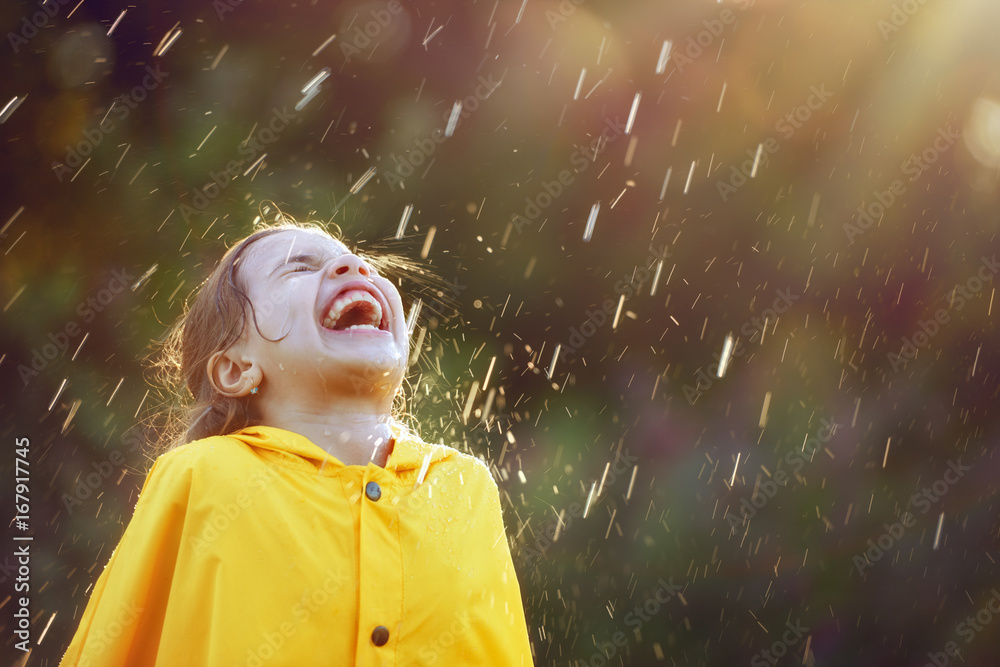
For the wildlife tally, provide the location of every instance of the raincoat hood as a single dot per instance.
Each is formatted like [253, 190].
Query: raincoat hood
[409, 452]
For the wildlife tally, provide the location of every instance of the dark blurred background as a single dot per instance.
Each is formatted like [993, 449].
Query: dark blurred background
[759, 233]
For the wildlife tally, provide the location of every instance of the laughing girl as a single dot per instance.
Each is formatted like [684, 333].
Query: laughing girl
[301, 524]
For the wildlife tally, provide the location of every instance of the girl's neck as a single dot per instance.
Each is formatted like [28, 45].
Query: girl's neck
[354, 437]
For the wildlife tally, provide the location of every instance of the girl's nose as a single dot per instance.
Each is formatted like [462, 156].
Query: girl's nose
[346, 264]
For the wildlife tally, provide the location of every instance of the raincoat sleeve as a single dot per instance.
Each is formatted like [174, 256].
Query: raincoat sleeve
[122, 621]
[508, 620]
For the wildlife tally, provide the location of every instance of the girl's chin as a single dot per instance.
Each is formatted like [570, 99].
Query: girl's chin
[373, 362]
[330, 378]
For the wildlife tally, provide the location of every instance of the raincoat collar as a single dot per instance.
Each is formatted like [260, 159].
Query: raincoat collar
[409, 451]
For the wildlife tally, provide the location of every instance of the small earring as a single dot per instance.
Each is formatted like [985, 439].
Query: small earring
[254, 390]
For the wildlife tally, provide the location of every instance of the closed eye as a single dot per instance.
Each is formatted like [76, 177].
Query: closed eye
[302, 267]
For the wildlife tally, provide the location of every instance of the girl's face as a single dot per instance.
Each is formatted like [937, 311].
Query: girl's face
[335, 326]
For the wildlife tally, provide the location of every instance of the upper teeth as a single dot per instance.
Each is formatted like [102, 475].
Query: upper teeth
[345, 300]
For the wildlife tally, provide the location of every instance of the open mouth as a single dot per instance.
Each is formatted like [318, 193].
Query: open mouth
[355, 310]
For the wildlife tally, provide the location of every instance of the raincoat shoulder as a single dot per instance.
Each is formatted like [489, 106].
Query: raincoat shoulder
[123, 618]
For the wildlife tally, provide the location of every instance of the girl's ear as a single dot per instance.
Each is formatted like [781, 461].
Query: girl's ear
[231, 375]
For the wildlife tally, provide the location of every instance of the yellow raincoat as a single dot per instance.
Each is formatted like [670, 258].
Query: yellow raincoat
[260, 549]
